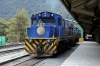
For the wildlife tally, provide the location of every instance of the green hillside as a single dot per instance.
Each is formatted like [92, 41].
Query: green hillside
[8, 8]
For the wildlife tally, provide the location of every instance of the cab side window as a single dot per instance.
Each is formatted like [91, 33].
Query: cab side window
[33, 20]
[59, 21]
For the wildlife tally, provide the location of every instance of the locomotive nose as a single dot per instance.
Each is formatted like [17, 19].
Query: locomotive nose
[40, 30]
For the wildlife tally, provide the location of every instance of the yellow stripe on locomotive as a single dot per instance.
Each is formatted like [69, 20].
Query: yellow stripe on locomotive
[41, 47]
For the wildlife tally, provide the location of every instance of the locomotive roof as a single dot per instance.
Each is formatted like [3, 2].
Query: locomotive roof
[33, 16]
[46, 13]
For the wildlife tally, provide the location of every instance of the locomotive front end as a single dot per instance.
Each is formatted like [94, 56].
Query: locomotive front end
[44, 42]
[41, 40]
[41, 47]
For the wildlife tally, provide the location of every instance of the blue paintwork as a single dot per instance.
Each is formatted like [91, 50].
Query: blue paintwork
[59, 27]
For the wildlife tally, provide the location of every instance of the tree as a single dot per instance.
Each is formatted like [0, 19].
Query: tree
[22, 22]
[10, 30]
[2, 26]
[16, 30]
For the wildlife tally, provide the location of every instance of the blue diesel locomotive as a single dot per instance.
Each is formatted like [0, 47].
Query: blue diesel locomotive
[48, 34]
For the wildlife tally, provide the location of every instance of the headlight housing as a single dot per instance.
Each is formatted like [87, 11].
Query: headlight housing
[49, 41]
[30, 41]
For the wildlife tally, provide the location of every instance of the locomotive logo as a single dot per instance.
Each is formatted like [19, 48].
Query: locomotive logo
[40, 30]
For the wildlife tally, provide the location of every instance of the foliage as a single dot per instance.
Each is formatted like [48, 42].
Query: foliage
[16, 30]
[22, 23]
[2, 26]
[10, 30]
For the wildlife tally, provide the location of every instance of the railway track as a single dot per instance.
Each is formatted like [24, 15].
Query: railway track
[11, 47]
[57, 60]
[9, 55]
[4, 53]
[24, 60]
[27, 60]
[31, 62]
[11, 52]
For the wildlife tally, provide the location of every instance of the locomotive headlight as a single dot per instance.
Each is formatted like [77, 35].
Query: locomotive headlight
[51, 14]
[30, 41]
[40, 30]
[39, 14]
[49, 42]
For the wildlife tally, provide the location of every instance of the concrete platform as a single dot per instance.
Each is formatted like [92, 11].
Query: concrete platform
[87, 54]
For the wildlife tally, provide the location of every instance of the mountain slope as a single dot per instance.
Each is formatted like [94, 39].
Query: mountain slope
[8, 8]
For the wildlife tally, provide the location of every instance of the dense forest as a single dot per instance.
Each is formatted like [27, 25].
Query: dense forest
[8, 8]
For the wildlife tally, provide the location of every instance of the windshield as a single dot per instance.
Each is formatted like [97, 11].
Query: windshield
[47, 20]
